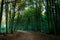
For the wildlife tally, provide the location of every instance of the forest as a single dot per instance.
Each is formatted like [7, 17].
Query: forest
[30, 15]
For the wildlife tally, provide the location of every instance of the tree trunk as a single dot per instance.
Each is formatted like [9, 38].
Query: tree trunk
[6, 10]
[13, 15]
[1, 13]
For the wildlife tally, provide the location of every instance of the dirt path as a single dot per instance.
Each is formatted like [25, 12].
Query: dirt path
[24, 35]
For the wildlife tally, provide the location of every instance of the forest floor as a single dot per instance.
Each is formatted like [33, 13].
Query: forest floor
[24, 35]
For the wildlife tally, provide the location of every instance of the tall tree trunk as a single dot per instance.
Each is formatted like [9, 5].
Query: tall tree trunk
[13, 15]
[48, 14]
[6, 10]
[57, 21]
[51, 16]
[54, 15]
[1, 13]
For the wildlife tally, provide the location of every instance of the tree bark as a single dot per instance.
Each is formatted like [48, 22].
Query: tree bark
[1, 13]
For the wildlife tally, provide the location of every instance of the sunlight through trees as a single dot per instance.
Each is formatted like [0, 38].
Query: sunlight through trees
[30, 15]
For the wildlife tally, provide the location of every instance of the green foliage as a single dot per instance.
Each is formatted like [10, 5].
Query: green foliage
[33, 15]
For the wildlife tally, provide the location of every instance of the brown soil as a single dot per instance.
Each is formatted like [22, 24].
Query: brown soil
[24, 35]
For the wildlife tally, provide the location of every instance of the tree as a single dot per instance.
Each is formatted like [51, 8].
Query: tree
[12, 18]
[6, 11]
[52, 15]
[1, 10]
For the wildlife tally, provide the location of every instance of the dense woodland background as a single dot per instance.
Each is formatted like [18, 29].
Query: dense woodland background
[30, 15]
